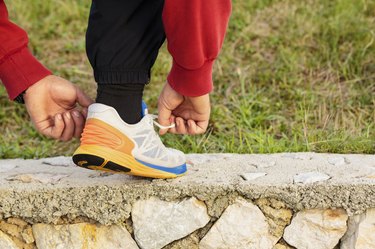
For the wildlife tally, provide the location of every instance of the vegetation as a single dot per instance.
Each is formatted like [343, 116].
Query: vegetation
[292, 76]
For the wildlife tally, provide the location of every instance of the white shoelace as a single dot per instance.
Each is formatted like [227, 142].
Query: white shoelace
[162, 127]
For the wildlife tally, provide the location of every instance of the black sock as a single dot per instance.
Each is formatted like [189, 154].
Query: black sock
[125, 98]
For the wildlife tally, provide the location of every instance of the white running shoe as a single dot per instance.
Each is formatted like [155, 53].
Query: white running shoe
[110, 144]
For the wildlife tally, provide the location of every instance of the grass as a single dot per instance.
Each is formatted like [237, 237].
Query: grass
[292, 76]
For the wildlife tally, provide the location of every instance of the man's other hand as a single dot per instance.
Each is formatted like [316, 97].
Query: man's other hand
[52, 106]
[190, 114]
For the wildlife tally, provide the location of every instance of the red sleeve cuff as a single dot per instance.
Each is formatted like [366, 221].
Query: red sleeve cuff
[191, 83]
[21, 70]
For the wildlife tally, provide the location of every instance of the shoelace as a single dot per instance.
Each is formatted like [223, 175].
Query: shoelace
[153, 117]
[153, 138]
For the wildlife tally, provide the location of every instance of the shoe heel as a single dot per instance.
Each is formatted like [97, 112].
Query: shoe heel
[87, 160]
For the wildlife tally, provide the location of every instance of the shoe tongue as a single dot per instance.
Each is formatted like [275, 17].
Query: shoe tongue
[144, 109]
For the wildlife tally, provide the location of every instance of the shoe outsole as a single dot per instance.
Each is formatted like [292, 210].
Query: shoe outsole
[95, 158]
[95, 162]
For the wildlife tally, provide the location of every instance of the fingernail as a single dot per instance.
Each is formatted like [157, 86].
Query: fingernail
[58, 116]
[68, 115]
[76, 113]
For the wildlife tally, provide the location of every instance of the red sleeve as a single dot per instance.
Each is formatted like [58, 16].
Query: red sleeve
[18, 67]
[195, 32]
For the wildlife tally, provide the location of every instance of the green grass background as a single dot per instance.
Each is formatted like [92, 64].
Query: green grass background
[292, 76]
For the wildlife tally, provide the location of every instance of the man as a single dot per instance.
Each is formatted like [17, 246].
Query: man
[123, 39]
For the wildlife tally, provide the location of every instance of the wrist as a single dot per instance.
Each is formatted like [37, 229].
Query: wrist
[37, 89]
[201, 103]
[21, 98]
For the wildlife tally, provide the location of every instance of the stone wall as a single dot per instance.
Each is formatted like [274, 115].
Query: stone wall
[309, 203]
[263, 224]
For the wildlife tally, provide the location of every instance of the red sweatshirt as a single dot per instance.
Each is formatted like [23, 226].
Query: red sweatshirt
[18, 67]
[195, 32]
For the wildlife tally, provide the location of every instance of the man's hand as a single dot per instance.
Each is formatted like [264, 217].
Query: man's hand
[51, 104]
[190, 114]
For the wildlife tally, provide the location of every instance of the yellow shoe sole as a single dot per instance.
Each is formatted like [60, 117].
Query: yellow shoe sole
[106, 159]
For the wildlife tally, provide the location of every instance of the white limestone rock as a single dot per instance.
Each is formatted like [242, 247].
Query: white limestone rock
[252, 176]
[310, 177]
[315, 228]
[82, 235]
[361, 231]
[157, 223]
[242, 225]
[6, 242]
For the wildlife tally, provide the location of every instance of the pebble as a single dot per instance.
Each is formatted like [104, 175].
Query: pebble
[264, 164]
[337, 161]
[310, 177]
[252, 176]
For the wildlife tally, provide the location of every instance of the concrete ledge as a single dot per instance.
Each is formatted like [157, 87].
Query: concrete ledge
[46, 189]
[54, 191]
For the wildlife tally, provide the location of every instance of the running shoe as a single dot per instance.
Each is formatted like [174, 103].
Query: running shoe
[110, 144]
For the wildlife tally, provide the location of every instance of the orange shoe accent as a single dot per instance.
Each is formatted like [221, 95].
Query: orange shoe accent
[97, 132]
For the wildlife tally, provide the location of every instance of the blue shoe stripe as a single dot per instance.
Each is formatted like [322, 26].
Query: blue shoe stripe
[175, 170]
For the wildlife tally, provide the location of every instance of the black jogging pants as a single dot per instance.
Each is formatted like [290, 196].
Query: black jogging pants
[123, 39]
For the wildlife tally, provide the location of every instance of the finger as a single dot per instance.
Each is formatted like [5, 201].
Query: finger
[173, 121]
[192, 127]
[83, 99]
[201, 127]
[164, 116]
[57, 127]
[195, 128]
[84, 112]
[181, 127]
[68, 132]
[79, 122]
